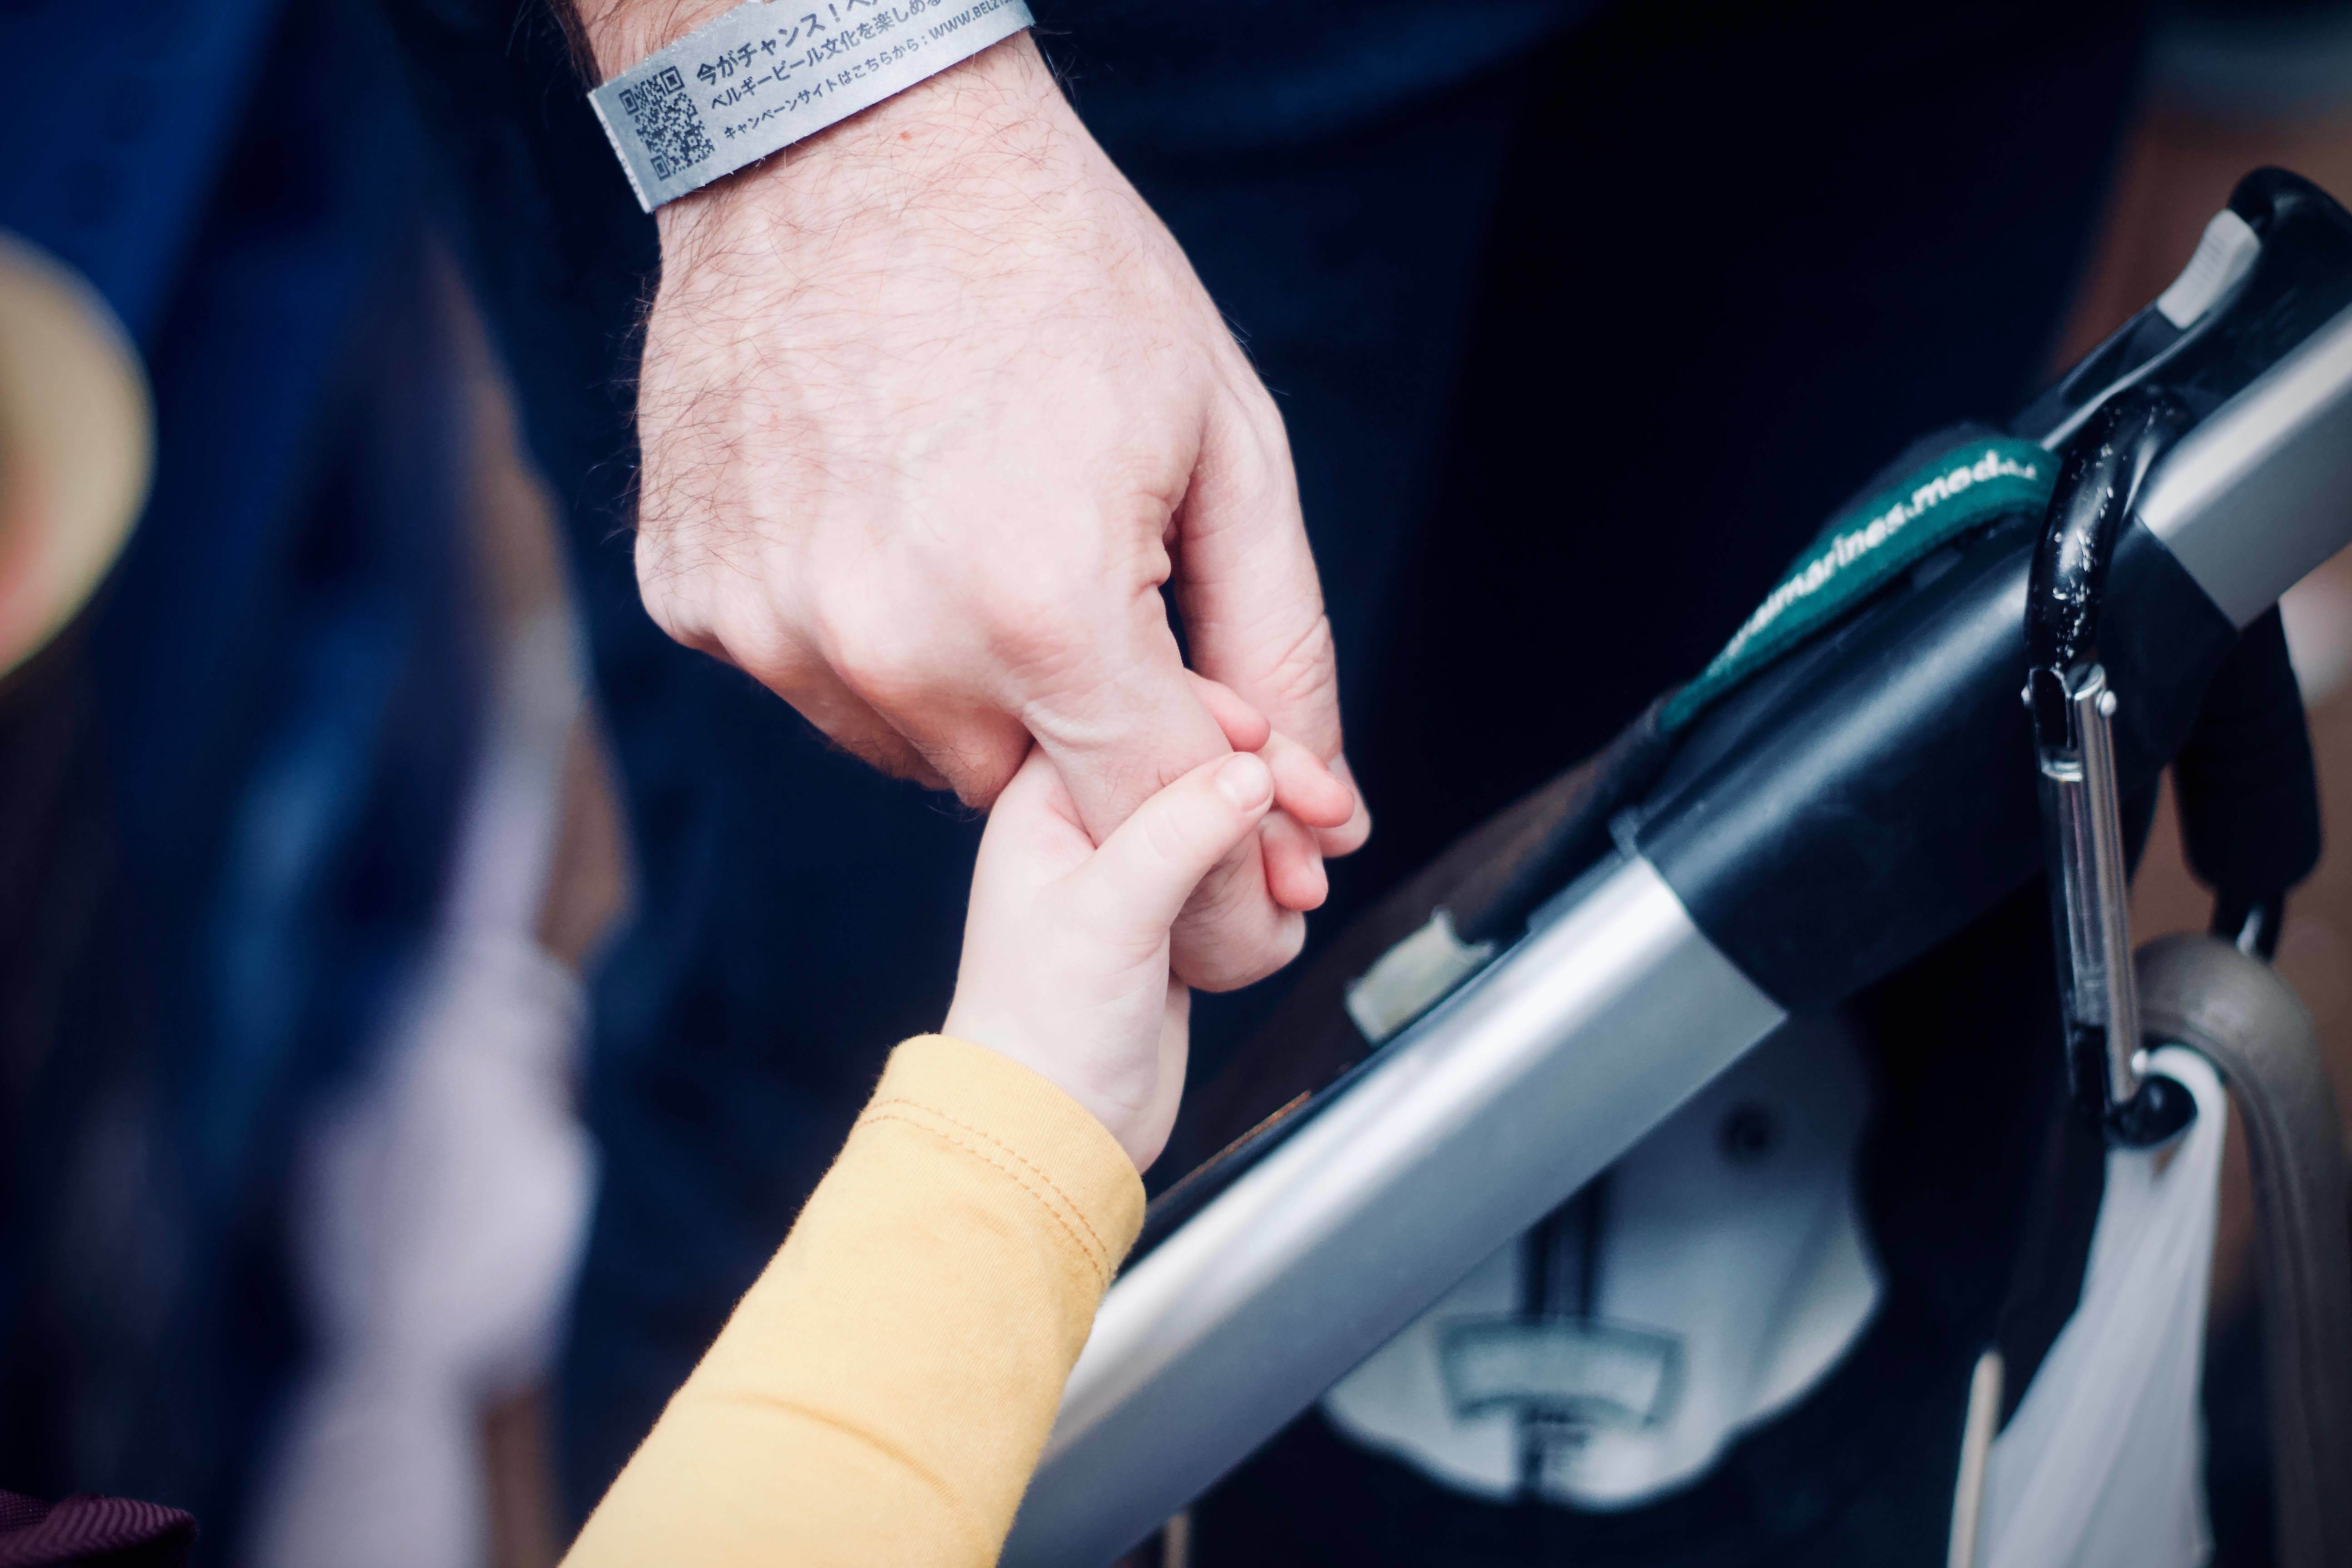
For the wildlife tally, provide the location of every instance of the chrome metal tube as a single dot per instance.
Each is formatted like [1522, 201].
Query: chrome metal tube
[1477, 1121]
[2261, 492]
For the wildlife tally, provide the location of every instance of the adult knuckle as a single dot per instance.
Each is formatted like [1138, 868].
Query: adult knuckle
[748, 631]
[679, 620]
[988, 768]
[673, 597]
[975, 759]
[1033, 625]
[877, 654]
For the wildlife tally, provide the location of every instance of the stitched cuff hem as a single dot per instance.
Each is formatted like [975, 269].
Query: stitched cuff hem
[1015, 1119]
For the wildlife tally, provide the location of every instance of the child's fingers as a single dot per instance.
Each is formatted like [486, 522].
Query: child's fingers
[1140, 877]
[1245, 728]
[1294, 866]
[1304, 786]
[1321, 794]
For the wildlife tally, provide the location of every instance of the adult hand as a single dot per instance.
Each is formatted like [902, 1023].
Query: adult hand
[933, 406]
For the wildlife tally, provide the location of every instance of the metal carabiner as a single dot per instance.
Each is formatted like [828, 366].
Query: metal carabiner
[2091, 893]
[2072, 707]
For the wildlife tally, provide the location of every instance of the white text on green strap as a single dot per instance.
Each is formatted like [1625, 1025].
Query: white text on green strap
[1851, 546]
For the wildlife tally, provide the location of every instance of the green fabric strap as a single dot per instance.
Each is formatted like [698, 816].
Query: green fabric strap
[1965, 486]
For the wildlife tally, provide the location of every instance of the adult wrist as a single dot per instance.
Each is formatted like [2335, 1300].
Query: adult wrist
[694, 94]
[957, 141]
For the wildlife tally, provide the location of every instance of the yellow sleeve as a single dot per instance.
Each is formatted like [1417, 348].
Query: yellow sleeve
[882, 1392]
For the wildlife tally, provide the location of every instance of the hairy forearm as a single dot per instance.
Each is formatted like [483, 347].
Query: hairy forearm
[620, 33]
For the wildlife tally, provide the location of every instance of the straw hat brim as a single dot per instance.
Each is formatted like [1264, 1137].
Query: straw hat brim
[77, 446]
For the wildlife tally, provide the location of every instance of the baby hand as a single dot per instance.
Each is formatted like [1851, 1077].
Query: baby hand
[1065, 963]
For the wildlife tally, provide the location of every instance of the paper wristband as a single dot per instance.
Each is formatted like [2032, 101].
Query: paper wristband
[771, 72]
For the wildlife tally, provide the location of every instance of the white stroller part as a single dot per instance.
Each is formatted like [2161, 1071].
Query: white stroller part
[1710, 1279]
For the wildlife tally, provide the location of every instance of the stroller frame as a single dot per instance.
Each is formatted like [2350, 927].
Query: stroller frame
[1538, 1073]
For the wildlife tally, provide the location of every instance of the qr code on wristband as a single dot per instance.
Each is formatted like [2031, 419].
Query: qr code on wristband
[664, 117]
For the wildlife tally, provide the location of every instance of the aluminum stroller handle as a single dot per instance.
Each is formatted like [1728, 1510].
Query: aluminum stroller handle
[2252, 500]
[1514, 1092]
[1717, 916]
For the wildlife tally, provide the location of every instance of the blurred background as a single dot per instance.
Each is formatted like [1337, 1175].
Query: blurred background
[308, 835]
[2230, 88]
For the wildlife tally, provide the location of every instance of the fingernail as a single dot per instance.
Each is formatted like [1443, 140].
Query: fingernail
[1245, 779]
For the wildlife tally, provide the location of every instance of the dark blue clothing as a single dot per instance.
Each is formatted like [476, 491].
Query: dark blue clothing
[1241, 77]
[270, 705]
[1579, 332]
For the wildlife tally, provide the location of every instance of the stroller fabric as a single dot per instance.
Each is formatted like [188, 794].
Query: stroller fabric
[2102, 1462]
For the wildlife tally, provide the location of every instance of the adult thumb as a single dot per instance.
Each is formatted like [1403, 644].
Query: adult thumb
[1246, 583]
